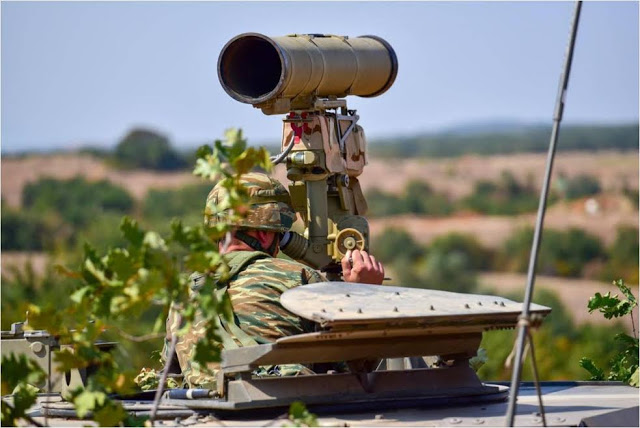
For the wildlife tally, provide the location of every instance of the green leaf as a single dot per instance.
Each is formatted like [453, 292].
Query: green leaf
[19, 370]
[479, 359]
[90, 253]
[626, 291]
[121, 263]
[155, 241]
[626, 340]
[609, 306]
[24, 397]
[297, 409]
[204, 151]
[234, 140]
[95, 271]
[68, 360]
[588, 365]
[78, 295]
[633, 380]
[300, 416]
[87, 401]
[111, 415]
[131, 231]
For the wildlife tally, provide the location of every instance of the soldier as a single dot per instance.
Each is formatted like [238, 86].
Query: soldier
[257, 278]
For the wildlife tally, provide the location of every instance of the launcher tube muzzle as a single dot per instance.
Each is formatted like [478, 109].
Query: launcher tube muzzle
[260, 70]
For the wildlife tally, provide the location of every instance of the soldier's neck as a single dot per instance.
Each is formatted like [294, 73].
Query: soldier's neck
[235, 245]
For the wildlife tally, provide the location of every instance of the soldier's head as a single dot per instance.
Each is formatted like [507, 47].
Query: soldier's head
[269, 215]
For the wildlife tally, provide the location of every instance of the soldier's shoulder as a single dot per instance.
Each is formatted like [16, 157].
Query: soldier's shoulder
[279, 265]
[282, 269]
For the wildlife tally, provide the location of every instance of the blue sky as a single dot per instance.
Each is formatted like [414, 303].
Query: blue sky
[82, 73]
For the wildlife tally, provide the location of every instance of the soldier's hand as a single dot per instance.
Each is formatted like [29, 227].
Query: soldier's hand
[358, 266]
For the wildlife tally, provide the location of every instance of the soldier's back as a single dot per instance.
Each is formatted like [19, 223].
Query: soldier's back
[255, 295]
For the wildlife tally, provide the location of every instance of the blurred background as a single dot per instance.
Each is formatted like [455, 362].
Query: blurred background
[103, 105]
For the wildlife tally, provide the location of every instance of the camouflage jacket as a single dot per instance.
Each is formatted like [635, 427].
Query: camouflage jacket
[256, 282]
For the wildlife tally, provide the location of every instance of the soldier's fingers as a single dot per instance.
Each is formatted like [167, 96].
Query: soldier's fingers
[381, 268]
[356, 255]
[374, 263]
[366, 259]
[346, 264]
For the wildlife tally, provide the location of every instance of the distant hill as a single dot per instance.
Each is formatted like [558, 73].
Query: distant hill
[505, 138]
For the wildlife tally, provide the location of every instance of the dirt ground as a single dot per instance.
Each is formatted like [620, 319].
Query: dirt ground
[454, 176]
[491, 231]
[16, 173]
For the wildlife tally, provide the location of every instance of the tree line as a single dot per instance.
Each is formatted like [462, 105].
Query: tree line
[522, 139]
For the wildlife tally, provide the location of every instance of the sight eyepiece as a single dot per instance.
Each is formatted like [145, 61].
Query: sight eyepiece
[280, 74]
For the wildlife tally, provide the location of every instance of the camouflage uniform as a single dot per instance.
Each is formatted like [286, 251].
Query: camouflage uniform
[256, 281]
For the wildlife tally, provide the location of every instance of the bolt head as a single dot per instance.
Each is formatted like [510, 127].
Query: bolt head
[37, 348]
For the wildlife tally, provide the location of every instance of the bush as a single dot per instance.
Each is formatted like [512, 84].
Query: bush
[147, 149]
[479, 258]
[393, 244]
[561, 253]
[382, 204]
[76, 201]
[559, 344]
[449, 263]
[581, 186]
[448, 271]
[417, 198]
[166, 204]
[505, 197]
[23, 231]
[23, 286]
[622, 256]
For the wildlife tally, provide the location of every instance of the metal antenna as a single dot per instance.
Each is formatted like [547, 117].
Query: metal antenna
[523, 325]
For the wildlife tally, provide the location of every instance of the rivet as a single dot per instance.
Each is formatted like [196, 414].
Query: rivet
[495, 302]
[466, 305]
[479, 303]
[558, 419]
[324, 310]
[397, 293]
[432, 308]
[501, 303]
[454, 421]
[359, 310]
[395, 309]
[478, 421]
[340, 310]
[348, 295]
[37, 347]
[378, 417]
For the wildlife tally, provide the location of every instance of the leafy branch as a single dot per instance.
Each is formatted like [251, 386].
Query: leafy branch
[125, 282]
[624, 365]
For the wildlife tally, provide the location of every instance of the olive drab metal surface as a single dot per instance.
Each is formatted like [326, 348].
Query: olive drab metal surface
[38, 346]
[279, 74]
[376, 330]
[308, 76]
[343, 303]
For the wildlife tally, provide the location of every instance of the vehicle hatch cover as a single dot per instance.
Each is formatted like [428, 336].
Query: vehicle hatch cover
[342, 303]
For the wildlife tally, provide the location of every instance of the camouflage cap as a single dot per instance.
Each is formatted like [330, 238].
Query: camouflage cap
[270, 204]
